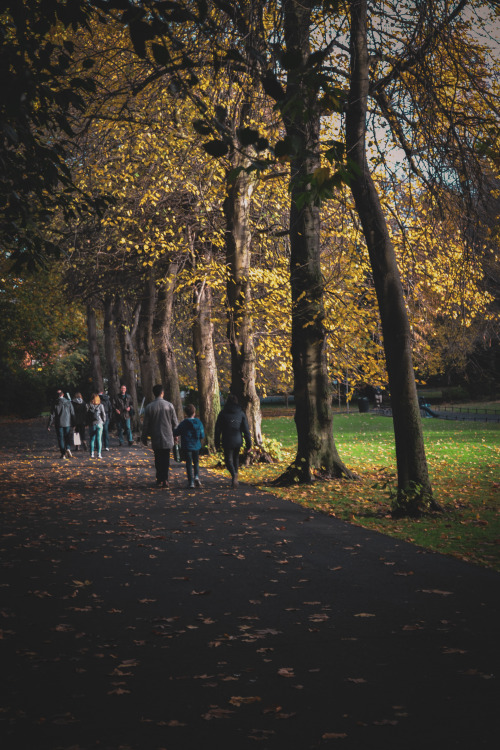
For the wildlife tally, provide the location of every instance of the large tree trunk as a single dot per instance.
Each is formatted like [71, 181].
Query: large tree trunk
[110, 346]
[95, 359]
[145, 338]
[414, 488]
[206, 366]
[316, 452]
[163, 339]
[127, 326]
[240, 329]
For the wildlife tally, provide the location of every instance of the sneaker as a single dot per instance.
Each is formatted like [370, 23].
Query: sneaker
[190, 485]
[63, 455]
[99, 455]
[68, 453]
[91, 455]
[106, 449]
[197, 482]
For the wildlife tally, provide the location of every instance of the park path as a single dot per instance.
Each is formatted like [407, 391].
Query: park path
[134, 618]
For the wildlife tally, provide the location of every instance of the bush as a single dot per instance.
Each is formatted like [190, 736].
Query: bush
[22, 394]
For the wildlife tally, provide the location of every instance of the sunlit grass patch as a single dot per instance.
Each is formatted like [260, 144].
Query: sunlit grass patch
[464, 464]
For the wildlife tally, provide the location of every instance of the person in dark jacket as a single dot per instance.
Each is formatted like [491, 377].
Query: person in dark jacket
[106, 402]
[159, 422]
[229, 427]
[191, 433]
[80, 408]
[122, 405]
[62, 416]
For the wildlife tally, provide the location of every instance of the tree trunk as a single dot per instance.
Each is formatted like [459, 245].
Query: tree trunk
[95, 359]
[414, 488]
[145, 338]
[163, 341]
[239, 296]
[206, 366]
[316, 452]
[110, 346]
[127, 326]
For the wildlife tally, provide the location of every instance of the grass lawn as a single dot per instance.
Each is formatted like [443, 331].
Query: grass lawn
[464, 464]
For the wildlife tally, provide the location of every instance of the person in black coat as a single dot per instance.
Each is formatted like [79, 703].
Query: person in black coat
[231, 424]
[80, 420]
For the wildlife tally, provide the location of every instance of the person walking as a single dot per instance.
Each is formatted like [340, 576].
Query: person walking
[96, 418]
[229, 427]
[62, 416]
[122, 405]
[80, 408]
[108, 408]
[159, 422]
[191, 433]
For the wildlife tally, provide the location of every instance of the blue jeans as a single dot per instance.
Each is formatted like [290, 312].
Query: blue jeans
[192, 462]
[96, 438]
[124, 423]
[63, 439]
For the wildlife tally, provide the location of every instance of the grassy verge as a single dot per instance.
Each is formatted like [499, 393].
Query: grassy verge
[464, 463]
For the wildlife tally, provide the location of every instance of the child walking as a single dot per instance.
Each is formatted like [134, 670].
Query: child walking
[191, 433]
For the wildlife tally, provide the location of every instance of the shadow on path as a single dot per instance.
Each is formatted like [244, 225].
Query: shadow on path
[135, 618]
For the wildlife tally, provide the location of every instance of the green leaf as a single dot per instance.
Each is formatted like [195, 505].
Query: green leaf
[247, 136]
[221, 113]
[273, 87]
[160, 54]
[216, 148]
[201, 127]
[335, 152]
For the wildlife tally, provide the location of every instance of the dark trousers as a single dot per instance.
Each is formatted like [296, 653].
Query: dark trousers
[192, 462]
[63, 439]
[232, 459]
[162, 464]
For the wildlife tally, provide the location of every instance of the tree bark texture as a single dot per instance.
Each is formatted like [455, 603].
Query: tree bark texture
[95, 359]
[316, 453]
[126, 324]
[239, 296]
[110, 346]
[206, 366]
[163, 339]
[414, 488]
[145, 338]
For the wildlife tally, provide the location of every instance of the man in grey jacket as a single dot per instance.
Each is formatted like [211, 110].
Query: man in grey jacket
[159, 422]
[62, 415]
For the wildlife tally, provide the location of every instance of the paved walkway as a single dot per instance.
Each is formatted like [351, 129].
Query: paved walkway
[133, 618]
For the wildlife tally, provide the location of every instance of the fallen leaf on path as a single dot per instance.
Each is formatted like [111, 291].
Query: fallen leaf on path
[239, 700]
[217, 713]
